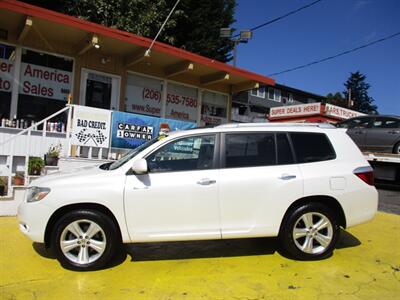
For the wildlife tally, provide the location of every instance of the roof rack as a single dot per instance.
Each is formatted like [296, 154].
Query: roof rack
[278, 124]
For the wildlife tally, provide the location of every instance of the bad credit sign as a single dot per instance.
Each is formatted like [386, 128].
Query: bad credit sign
[295, 110]
[91, 127]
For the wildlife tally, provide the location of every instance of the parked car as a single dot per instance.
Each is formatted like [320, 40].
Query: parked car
[298, 182]
[374, 133]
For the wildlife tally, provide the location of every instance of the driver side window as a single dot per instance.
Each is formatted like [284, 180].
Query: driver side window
[186, 154]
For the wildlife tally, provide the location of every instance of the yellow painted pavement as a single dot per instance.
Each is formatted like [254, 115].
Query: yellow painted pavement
[365, 265]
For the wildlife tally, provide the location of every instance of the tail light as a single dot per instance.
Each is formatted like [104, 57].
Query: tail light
[366, 174]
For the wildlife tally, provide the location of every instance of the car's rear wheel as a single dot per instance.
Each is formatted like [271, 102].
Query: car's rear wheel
[309, 232]
[85, 240]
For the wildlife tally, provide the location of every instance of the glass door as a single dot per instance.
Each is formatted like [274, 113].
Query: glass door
[100, 90]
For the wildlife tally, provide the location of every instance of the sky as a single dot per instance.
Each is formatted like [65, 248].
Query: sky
[324, 29]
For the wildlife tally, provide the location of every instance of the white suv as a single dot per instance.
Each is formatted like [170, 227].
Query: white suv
[298, 182]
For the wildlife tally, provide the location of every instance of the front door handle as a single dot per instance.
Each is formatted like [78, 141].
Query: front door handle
[287, 176]
[206, 181]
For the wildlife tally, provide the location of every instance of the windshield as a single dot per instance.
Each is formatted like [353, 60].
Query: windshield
[132, 153]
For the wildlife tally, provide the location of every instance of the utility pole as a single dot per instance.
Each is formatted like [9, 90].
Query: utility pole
[349, 101]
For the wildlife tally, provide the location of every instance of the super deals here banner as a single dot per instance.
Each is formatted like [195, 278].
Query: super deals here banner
[131, 130]
[91, 127]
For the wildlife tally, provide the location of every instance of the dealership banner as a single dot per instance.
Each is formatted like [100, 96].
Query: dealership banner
[131, 130]
[182, 103]
[91, 127]
[340, 112]
[295, 110]
[6, 75]
[45, 82]
[143, 95]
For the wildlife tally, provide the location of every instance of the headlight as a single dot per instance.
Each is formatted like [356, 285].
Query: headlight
[35, 193]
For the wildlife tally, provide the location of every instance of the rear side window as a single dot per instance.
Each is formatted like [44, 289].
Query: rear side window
[386, 123]
[249, 150]
[312, 147]
[285, 155]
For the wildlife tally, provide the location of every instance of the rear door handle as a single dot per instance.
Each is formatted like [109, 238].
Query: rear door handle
[206, 181]
[287, 176]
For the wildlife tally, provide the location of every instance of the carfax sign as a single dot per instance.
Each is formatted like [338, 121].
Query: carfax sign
[131, 130]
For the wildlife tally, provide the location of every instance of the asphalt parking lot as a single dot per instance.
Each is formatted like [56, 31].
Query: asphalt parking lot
[365, 265]
[389, 201]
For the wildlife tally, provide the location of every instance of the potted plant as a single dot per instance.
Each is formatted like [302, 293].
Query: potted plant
[51, 157]
[35, 165]
[19, 178]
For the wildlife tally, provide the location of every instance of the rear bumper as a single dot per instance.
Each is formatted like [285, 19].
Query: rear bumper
[360, 206]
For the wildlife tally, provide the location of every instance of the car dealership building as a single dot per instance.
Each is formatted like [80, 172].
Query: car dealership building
[47, 57]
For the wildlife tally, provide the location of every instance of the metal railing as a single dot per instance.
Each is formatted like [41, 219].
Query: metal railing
[28, 133]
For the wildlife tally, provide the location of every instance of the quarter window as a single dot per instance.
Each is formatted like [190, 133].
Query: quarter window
[312, 147]
[187, 154]
[249, 150]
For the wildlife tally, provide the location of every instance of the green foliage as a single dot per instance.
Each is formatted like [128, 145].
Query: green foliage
[54, 151]
[359, 93]
[35, 165]
[193, 26]
[336, 99]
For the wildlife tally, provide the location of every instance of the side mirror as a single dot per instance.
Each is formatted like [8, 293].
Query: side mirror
[139, 167]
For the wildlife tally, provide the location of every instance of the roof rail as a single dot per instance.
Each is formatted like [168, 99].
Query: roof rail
[277, 124]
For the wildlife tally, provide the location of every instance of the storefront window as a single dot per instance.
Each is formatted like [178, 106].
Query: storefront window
[7, 62]
[214, 108]
[182, 103]
[45, 84]
[143, 95]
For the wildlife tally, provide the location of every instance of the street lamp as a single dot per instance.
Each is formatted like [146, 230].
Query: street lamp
[243, 37]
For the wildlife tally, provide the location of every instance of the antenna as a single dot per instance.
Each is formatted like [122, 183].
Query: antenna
[148, 51]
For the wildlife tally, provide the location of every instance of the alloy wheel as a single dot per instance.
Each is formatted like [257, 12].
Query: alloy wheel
[312, 233]
[83, 241]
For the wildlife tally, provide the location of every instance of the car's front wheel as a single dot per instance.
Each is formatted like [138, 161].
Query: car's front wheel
[396, 148]
[309, 232]
[85, 240]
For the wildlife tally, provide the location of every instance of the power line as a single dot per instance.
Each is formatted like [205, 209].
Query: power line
[283, 16]
[337, 55]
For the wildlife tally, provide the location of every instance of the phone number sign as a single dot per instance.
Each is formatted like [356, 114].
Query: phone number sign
[182, 103]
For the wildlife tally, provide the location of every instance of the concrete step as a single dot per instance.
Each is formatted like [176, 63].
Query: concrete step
[9, 205]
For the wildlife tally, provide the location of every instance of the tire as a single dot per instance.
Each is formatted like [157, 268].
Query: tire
[396, 148]
[85, 240]
[311, 243]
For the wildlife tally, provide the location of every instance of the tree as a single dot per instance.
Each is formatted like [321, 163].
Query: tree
[359, 93]
[193, 26]
[336, 99]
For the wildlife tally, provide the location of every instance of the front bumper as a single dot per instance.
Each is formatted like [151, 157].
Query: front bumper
[33, 218]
